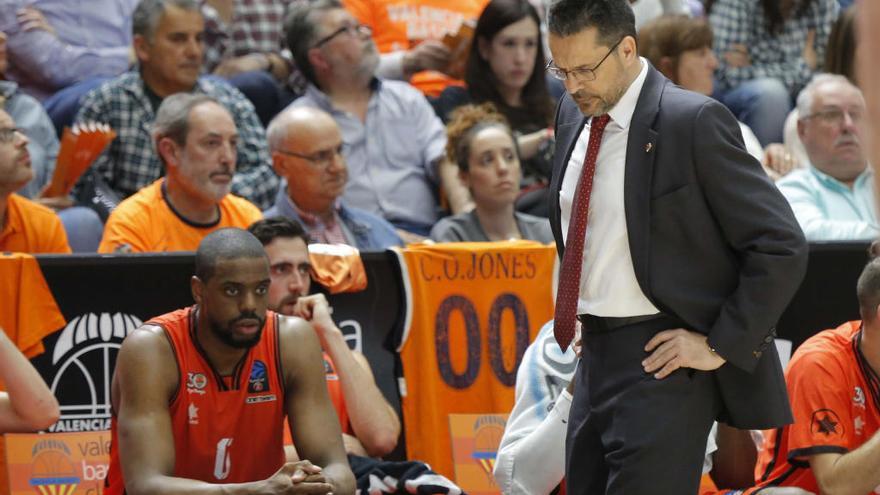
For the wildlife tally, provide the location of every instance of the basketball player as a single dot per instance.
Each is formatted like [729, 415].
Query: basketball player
[27, 404]
[200, 394]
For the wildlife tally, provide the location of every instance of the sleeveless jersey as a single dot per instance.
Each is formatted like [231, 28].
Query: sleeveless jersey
[226, 429]
[835, 399]
[471, 310]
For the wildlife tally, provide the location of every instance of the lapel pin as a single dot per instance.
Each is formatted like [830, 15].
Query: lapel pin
[648, 147]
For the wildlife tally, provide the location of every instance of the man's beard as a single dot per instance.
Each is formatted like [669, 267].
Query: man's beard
[606, 103]
[226, 333]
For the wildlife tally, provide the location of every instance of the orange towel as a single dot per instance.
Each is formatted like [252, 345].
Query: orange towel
[338, 267]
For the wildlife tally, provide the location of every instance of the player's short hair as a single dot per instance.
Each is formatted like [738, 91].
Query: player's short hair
[224, 244]
[613, 19]
[868, 290]
[269, 229]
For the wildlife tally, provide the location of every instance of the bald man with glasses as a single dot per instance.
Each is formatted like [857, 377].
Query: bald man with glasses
[308, 151]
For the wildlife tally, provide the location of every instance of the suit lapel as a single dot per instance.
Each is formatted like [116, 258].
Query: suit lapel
[640, 152]
[567, 131]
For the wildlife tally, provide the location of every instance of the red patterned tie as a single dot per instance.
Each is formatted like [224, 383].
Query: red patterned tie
[570, 271]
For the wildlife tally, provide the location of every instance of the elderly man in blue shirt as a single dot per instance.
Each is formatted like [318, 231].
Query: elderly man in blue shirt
[832, 198]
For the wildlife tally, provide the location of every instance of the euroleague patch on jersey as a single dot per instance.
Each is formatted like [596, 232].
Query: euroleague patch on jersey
[826, 422]
[196, 383]
[258, 382]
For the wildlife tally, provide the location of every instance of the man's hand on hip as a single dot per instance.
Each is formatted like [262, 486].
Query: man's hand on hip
[679, 348]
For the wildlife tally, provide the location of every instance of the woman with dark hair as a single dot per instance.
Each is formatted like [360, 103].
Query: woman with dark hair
[506, 68]
[768, 50]
[484, 148]
[841, 52]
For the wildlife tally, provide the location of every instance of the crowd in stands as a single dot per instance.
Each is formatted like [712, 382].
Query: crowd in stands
[388, 76]
[364, 124]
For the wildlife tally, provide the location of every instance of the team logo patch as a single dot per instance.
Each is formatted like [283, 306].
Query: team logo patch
[196, 383]
[329, 372]
[827, 422]
[258, 382]
[859, 397]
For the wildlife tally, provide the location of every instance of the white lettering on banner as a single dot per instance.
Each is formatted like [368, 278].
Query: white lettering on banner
[353, 334]
[222, 461]
[94, 472]
[83, 359]
[65, 425]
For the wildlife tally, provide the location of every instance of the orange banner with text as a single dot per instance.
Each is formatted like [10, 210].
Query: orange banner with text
[57, 463]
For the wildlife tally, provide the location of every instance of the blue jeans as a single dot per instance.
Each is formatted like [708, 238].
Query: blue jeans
[83, 227]
[761, 104]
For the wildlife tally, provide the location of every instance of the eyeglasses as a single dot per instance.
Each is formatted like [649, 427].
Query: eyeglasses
[321, 159]
[7, 134]
[835, 116]
[352, 30]
[581, 73]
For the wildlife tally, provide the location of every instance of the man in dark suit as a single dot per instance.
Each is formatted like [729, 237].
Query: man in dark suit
[678, 256]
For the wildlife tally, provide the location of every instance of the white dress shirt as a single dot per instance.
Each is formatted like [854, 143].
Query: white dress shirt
[608, 285]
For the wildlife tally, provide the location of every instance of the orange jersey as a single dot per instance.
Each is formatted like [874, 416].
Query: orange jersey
[472, 309]
[334, 388]
[835, 398]
[402, 24]
[31, 228]
[146, 222]
[227, 429]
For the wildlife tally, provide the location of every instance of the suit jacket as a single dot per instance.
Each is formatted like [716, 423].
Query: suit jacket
[713, 242]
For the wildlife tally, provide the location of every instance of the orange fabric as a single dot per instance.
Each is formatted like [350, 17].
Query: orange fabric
[32, 228]
[241, 415]
[28, 313]
[337, 267]
[147, 223]
[402, 24]
[707, 486]
[836, 408]
[472, 309]
[334, 388]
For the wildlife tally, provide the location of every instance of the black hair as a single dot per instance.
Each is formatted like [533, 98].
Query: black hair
[613, 19]
[222, 244]
[269, 229]
[482, 84]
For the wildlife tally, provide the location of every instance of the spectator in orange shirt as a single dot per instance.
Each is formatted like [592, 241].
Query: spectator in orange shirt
[27, 404]
[195, 138]
[25, 226]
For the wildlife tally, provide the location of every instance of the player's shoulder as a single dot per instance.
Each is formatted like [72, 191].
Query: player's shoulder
[829, 350]
[295, 332]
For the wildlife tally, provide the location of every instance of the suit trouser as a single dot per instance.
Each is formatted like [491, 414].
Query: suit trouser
[629, 433]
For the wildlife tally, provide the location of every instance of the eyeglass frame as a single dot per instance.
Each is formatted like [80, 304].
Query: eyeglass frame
[556, 72]
[352, 30]
[10, 132]
[315, 160]
[824, 116]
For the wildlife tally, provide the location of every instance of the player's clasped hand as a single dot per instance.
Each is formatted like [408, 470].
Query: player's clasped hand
[679, 348]
[301, 477]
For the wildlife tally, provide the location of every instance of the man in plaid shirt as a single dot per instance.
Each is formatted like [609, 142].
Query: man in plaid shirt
[168, 41]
